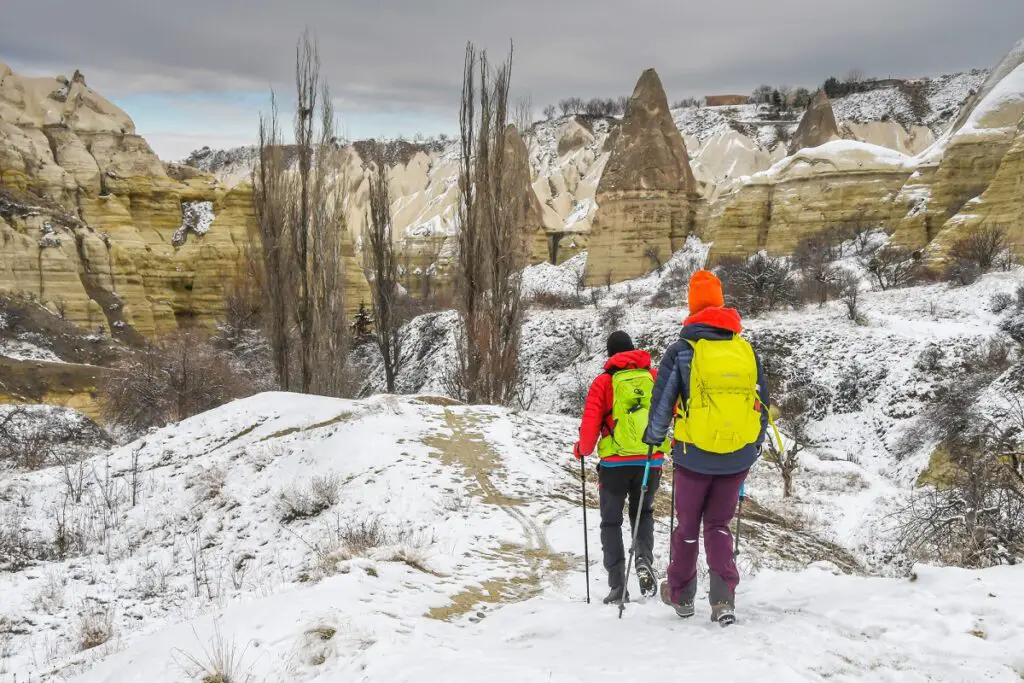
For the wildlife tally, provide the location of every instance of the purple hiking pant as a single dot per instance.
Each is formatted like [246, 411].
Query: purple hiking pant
[711, 498]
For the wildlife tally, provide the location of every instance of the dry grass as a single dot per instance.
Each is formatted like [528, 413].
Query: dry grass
[320, 494]
[95, 627]
[220, 661]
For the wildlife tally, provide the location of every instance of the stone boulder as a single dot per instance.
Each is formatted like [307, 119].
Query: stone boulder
[817, 126]
[647, 197]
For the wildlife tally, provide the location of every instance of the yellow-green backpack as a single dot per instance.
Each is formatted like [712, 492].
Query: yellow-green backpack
[723, 412]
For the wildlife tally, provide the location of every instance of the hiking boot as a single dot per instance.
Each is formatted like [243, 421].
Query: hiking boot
[683, 609]
[648, 581]
[615, 595]
[724, 614]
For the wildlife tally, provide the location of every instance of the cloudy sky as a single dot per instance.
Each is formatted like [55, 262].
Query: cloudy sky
[197, 72]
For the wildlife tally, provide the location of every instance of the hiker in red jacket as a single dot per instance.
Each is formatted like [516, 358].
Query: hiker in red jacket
[622, 456]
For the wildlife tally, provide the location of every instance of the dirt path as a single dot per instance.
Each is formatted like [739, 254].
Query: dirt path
[467, 449]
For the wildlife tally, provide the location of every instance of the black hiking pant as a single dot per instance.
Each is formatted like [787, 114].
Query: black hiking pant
[615, 485]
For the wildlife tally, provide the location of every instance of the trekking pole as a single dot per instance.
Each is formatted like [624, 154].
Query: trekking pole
[586, 545]
[672, 514]
[636, 528]
[739, 518]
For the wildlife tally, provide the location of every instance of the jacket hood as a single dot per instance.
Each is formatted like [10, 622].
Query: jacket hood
[629, 360]
[722, 318]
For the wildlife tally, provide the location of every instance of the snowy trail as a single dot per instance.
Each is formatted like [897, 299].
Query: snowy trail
[811, 626]
[947, 626]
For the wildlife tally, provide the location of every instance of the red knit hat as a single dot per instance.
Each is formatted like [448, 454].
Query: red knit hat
[705, 292]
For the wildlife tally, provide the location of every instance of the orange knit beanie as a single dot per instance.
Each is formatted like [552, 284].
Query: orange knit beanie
[705, 292]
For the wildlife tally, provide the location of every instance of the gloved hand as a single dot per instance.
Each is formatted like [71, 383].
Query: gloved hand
[649, 440]
[576, 451]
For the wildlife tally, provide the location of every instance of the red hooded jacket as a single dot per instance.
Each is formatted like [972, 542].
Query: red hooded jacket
[597, 414]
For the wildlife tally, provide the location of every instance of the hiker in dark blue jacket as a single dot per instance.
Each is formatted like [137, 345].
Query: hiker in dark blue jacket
[707, 483]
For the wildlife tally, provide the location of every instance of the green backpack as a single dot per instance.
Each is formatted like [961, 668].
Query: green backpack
[631, 405]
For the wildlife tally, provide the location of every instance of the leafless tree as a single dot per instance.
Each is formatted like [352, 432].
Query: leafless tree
[171, 379]
[382, 272]
[852, 297]
[549, 112]
[795, 417]
[492, 250]
[893, 266]
[981, 248]
[270, 204]
[302, 229]
[522, 116]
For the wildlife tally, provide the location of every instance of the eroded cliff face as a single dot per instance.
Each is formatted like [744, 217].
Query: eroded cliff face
[970, 176]
[92, 224]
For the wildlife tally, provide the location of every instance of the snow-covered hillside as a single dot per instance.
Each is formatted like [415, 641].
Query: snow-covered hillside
[296, 538]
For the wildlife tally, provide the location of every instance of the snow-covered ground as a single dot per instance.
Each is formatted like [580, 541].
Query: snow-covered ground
[401, 539]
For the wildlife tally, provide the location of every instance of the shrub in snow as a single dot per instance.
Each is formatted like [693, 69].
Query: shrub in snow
[171, 379]
[1000, 302]
[95, 627]
[758, 284]
[219, 661]
[611, 317]
[320, 494]
[32, 437]
[981, 248]
[891, 266]
[856, 384]
[208, 483]
[554, 300]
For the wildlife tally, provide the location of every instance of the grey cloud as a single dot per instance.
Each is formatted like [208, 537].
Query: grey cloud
[392, 55]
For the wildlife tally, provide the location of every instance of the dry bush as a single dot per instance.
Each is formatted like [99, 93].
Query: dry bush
[341, 541]
[974, 520]
[554, 301]
[169, 380]
[611, 317]
[981, 248]
[674, 283]
[1001, 302]
[758, 284]
[814, 259]
[320, 494]
[19, 547]
[893, 267]
[574, 395]
[33, 437]
[95, 627]
[852, 297]
[208, 483]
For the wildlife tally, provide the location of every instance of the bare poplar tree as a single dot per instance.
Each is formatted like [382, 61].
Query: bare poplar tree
[270, 205]
[327, 231]
[302, 227]
[382, 272]
[307, 82]
[491, 238]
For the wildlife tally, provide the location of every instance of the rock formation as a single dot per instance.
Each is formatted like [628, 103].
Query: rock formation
[91, 222]
[817, 126]
[958, 169]
[833, 184]
[647, 198]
